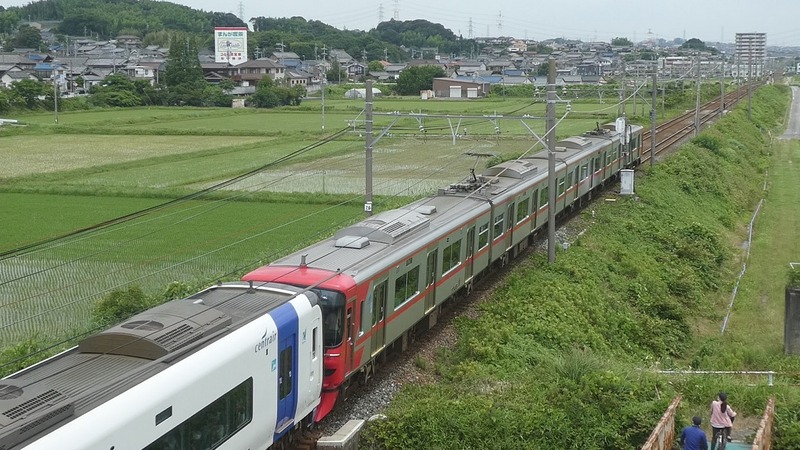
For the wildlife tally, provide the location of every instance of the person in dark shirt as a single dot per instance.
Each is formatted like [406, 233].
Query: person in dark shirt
[693, 438]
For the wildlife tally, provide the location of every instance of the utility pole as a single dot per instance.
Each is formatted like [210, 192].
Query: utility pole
[324, 77]
[323, 97]
[697, 102]
[722, 88]
[653, 117]
[749, 78]
[622, 107]
[55, 97]
[550, 138]
[368, 145]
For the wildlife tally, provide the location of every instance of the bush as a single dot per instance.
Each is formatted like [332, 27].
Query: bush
[794, 278]
[119, 305]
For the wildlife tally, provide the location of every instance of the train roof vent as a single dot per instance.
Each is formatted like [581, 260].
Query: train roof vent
[28, 410]
[159, 331]
[425, 209]
[357, 242]
[516, 168]
[575, 142]
[387, 227]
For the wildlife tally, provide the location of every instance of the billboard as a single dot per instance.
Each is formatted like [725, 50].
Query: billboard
[230, 45]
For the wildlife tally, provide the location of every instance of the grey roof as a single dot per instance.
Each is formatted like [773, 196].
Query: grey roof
[394, 67]
[20, 75]
[13, 59]
[298, 74]
[340, 55]
[285, 55]
[106, 62]
[261, 62]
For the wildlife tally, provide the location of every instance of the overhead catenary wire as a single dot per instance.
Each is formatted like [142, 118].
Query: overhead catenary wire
[83, 334]
[464, 199]
[129, 281]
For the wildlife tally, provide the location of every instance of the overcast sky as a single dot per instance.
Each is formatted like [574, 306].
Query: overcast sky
[708, 20]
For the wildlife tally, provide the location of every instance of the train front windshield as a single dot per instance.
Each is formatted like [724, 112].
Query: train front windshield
[332, 305]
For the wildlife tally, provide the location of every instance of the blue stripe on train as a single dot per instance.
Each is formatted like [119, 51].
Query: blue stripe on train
[285, 318]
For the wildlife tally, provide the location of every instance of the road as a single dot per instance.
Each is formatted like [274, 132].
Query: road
[793, 127]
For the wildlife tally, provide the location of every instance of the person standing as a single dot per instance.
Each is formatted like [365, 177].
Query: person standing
[692, 437]
[722, 416]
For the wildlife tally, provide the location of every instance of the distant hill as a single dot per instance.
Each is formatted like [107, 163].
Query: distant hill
[110, 18]
[154, 20]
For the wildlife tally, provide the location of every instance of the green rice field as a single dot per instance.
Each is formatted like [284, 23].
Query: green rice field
[162, 171]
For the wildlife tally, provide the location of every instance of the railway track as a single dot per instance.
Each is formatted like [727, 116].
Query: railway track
[673, 132]
[394, 370]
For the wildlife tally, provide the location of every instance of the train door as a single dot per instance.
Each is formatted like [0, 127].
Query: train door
[350, 338]
[287, 394]
[379, 296]
[596, 171]
[470, 252]
[430, 280]
[510, 225]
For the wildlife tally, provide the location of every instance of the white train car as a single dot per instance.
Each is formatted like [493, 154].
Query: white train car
[231, 367]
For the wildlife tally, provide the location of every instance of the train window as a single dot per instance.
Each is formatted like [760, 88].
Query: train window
[363, 315]
[498, 226]
[314, 343]
[212, 425]
[510, 222]
[522, 209]
[451, 256]
[470, 242]
[163, 415]
[285, 384]
[535, 199]
[544, 197]
[406, 286]
[584, 171]
[483, 235]
[379, 295]
[431, 268]
[596, 164]
[561, 186]
[569, 179]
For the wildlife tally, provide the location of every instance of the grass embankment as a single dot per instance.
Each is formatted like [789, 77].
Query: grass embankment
[564, 355]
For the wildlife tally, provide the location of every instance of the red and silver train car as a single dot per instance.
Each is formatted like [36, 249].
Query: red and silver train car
[379, 278]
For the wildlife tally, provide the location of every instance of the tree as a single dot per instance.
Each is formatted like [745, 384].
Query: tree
[543, 70]
[336, 73]
[8, 22]
[215, 95]
[28, 37]
[375, 66]
[27, 92]
[116, 90]
[5, 100]
[417, 78]
[266, 95]
[184, 76]
[698, 45]
[270, 95]
[120, 304]
[621, 42]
